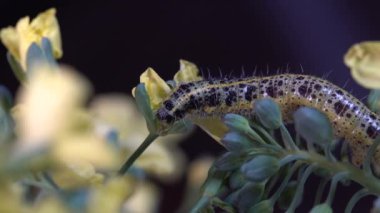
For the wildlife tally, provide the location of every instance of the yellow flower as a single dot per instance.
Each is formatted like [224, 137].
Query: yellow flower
[364, 61]
[144, 199]
[48, 104]
[49, 204]
[187, 72]
[50, 115]
[118, 112]
[18, 39]
[76, 174]
[111, 196]
[158, 90]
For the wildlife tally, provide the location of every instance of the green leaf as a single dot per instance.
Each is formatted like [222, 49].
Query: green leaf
[143, 104]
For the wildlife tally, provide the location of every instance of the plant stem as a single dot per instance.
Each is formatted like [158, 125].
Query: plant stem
[287, 138]
[355, 198]
[284, 183]
[148, 140]
[333, 185]
[368, 158]
[298, 196]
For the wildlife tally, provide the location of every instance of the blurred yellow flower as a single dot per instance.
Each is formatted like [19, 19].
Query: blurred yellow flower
[76, 174]
[49, 114]
[196, 175]
[118, 112]
[111, 196]
[364, 61]
[49, 204]
[11, 197]
[145, 198]
[158, 90]
[47, 105]
[18, 39]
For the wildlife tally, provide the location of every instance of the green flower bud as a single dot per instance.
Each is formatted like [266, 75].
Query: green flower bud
[236, 142]
[249, 195]
[237, 123]
[321, 208]
[237, 180]
[287, 195]
[268, 112]
[260, 168]
[229, 161]
[241, 125]
[264, 206]
[312, 125]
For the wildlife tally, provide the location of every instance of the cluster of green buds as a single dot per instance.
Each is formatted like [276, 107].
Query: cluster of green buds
[263, 173]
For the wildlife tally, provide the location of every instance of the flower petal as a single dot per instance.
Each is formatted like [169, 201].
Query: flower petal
[364, 61]
[156, 87]
[187, 72]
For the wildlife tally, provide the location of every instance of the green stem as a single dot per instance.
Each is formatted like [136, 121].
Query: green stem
[284, 183]
[368, 158]
[288, 140]
[298, 196]
[148, 140]
[50, 181]
[333, 185]
[355, 198]
[320, 190]
[267, 136]
[354, 173]
[211, 189]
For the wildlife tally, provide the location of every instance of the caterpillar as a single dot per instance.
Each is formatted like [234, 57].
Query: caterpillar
[349, 117]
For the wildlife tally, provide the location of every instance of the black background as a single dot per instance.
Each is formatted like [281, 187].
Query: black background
[112, 42]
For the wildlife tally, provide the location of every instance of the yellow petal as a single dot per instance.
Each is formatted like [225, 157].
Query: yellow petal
[212, 126]
[155, 86]
[11, 198]
[46, 105]
[10, 39]
[144, 199]
[76, 174]
[46, 25]
[364, 61]
[111, 196]
[50, 204]
[187, 72]
[85, 148]
[18, 40]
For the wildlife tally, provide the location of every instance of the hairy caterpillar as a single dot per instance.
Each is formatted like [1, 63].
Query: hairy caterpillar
[350, 118]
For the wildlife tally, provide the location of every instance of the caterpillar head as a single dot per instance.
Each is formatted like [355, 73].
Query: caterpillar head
[165, 118]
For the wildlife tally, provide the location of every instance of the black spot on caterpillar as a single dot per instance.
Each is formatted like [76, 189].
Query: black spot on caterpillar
[350, 118]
